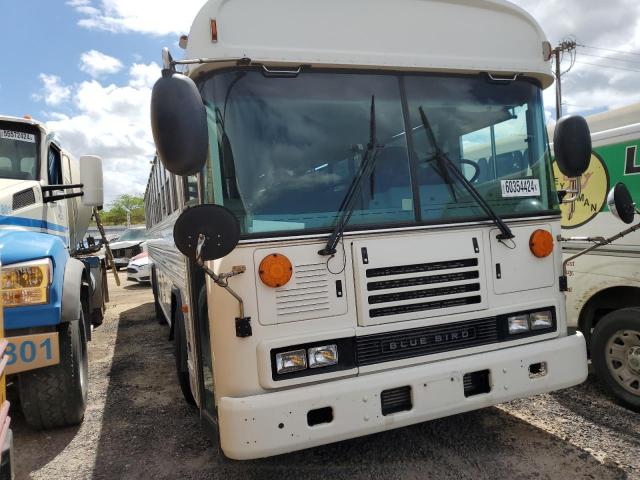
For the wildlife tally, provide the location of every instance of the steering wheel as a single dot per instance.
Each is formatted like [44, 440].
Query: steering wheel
[476, 173]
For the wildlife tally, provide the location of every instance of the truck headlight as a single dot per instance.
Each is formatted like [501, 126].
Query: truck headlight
[518, 323]
[324, 356]
[26, 283]
[541, 320]
[293, 361]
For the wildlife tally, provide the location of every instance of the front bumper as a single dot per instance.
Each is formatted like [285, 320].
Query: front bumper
[139, 274]
[276, 423]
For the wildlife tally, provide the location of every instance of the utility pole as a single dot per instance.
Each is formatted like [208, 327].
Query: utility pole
[566, 46]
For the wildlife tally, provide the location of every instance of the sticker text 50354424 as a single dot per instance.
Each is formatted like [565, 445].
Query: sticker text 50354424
[523, 187]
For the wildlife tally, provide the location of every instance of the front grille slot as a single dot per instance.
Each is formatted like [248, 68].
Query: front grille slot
[476, 383]
[396, 400]
[421, 307]
[387, 347]
[430, 292]
[422, 267]
[23, 199]
[416, 281]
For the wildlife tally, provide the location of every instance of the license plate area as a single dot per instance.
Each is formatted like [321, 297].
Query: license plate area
[29, 352]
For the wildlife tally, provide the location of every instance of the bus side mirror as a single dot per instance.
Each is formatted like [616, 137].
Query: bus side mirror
[621, 204]
[179, 124]
[217, 224]
[91, 179]
[572, 145]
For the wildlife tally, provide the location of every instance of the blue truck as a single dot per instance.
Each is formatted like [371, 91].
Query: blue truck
[53, 291]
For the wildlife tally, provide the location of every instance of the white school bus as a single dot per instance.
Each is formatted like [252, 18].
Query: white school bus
[349, 266]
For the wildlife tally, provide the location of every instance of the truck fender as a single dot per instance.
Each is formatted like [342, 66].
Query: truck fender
[75, 289]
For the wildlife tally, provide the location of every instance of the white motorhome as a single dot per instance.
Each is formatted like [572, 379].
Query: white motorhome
[350, 266]
[604, 284]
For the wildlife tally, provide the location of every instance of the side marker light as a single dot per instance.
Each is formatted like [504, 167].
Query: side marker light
[541, 243]
[275, 270]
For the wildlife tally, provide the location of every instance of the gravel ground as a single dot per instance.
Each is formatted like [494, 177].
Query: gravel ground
[138, 426]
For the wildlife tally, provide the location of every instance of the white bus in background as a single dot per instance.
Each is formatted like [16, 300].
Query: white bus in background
[606, 283]
[356, 280]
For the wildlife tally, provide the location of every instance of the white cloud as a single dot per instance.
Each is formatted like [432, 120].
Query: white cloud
[143, 75]
[593, 84]
[155, 17]
[112, 121]
[53, 92]
[96, 63]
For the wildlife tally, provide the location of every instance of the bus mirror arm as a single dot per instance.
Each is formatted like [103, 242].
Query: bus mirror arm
[574, 192]
[597, 243]
[243, 325]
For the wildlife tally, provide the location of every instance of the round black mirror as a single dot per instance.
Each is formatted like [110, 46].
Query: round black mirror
[572, 145]
[219, 226]
[621, 204]
[179, 124]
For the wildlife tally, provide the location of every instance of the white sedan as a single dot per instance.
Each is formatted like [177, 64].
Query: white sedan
[139, 268]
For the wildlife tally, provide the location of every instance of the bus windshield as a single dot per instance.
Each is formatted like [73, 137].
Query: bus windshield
[18, 151]
[285, 149]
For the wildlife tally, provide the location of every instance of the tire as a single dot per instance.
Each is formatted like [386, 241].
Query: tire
[615, 353]
[182, 368]
[56, 396]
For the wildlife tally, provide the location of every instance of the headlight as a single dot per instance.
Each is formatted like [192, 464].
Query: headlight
[518, 323]
[287, 362]
[26, 283]
[323, 356]
[541, 320]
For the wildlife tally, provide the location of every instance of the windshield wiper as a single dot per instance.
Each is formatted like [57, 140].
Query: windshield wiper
[445, 163]
[348, 202]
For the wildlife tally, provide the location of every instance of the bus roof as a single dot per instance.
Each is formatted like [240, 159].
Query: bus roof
[28, 121]
[616, 118]
[457, 36]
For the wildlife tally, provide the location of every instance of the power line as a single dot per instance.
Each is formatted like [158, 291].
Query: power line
[615, 67]
[609, 58]
[609, 50]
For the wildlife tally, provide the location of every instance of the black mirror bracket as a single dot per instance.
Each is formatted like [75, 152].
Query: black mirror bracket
[243, 324]
[573, 191]
[597, 243]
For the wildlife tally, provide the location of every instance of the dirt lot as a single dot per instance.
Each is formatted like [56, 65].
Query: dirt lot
[137, 426]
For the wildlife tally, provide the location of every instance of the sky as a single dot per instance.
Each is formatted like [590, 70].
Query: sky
[86, 68]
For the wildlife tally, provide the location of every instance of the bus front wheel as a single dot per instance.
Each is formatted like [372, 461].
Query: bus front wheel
[615, 353]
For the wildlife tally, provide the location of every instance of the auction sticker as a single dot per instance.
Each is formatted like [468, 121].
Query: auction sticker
[525, 187]
[20, 136]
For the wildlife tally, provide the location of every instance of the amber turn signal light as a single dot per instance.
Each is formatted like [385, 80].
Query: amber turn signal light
[541, 243]
[275, 270]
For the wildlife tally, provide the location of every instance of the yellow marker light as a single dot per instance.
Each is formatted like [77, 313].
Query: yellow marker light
[275, 270]
[541, 243]
[26, 283]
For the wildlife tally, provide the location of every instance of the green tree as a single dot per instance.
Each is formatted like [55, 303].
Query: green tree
[116, 214]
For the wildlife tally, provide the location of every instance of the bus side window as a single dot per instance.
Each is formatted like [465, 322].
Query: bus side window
[54, 167]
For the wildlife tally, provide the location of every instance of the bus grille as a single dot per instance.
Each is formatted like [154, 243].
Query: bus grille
[23, 199]
[404, 301]
[386, 347]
